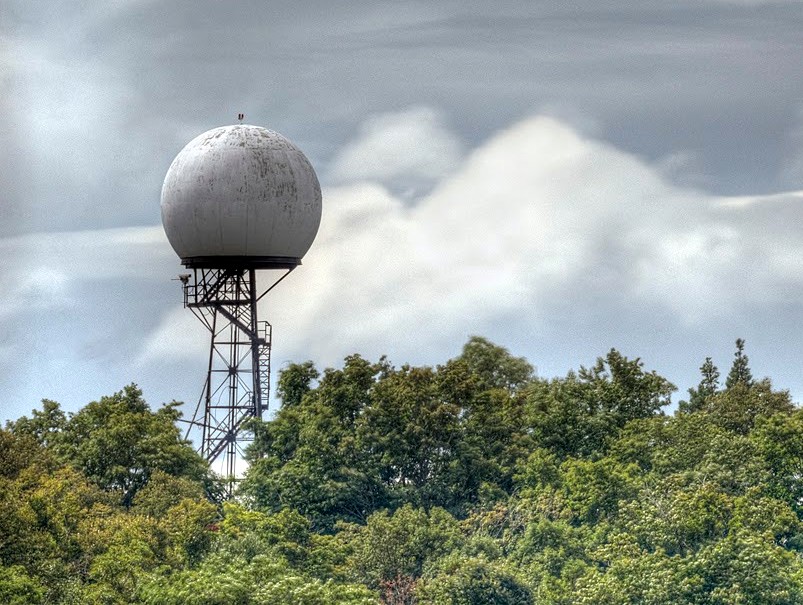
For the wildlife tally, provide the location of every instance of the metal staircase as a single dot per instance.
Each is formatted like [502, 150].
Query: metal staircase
[264, 336]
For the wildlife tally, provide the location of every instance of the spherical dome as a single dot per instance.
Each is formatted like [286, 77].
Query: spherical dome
[241, 195]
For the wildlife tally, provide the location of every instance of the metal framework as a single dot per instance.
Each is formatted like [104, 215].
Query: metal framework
[237, 385]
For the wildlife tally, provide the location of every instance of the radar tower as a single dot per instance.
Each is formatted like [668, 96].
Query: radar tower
[236, 201]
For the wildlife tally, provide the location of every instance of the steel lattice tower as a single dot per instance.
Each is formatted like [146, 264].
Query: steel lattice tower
[237, 385]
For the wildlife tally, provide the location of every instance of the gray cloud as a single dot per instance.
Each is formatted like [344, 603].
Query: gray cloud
[407, 151]
[555, 244]
[675, 112]
[100, 99]
[541, 238]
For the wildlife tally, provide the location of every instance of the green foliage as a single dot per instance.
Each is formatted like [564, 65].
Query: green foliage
[223, 580]
[470, 482]
[118, 442]
[740, 373]
[708, 387]
[473, 581]
[371, 436]
[620, 387]
[746, 567]
[68, 484]
[308, 458]
[414, 434]
[395, 546]
[676, 517]
[164, 491]
[295, 381]
[18, 588]
[628, 574]
[738, 407]
[779, 441]
[492, 367]
[592, 490]
[44, 426]
[581, 414]
[287, 532]
[18, 451]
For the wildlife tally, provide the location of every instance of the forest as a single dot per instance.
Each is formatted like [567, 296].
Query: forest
[471, 482]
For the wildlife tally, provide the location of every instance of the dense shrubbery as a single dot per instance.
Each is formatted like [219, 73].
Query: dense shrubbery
[470, 483]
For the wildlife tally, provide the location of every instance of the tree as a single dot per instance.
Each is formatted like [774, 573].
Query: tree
[164, 491]
[625, 573]
[45, 426]
[117, 548]
[42, 511]
[223, 579]
[189, 526]
[740, 370]
[747, 567]
[564, 417]
[412, 434]
[18, 588]
[348, 392]
[677, 517]
[493, 367]
[779, 440]
[18, 451]
[620, 387]
[486, 385]
[580, 414]
[465, 483]
[708, 387]
[738, 407]
[461, 580]
[295, 381]
[398, 546]
[117, 442]
[308, 457]
[593, 489]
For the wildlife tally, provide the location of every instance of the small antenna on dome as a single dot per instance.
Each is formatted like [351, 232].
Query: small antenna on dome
[240, 117]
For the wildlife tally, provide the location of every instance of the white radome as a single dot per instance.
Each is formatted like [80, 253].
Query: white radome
[241, 194]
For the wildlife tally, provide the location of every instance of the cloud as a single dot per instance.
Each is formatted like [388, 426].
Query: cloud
[178, 337]
[97, 102]
[792, 166]
[402, 150]
[65, 126]
[536, 223]
[538, 238]
[749, 3]
[70, 256]
[52, 274]
[75, 309]
[537, 220]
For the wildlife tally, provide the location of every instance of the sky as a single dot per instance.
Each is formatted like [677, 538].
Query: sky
[561, 178]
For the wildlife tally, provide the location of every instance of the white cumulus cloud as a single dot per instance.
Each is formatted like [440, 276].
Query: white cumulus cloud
[536, 221]
[404, 150]
[537, 238]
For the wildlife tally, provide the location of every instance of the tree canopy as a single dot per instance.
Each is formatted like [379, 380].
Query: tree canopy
[470, 482]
